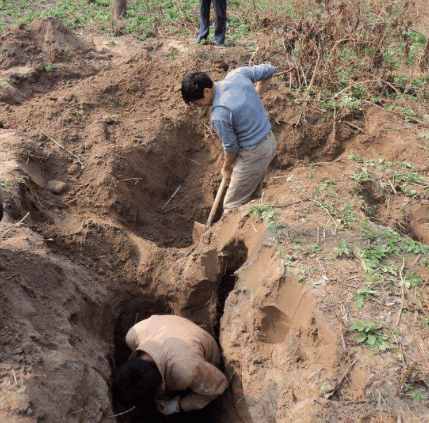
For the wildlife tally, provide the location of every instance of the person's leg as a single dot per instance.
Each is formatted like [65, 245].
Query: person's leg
[249, 171]
[204, 20]
[220, 9]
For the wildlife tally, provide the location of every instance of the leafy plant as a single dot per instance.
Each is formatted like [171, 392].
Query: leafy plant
[413, 280]
[315, 249]
[348, 216]
[344, 250]
[362, 176]
[415, 393]
[370, 334]
[270, 218]
[48, 67]
[362, 295]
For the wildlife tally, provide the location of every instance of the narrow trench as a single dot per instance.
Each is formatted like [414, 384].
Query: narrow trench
[131, 311]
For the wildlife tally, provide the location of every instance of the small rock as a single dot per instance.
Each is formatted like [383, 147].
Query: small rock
[57, 187]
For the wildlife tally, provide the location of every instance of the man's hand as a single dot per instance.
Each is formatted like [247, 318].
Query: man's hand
[168, 407]
[261, 86]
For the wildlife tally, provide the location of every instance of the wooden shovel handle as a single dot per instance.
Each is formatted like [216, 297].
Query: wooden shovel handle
[219, 195]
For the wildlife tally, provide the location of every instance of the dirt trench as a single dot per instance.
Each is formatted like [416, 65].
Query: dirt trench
[81, 264]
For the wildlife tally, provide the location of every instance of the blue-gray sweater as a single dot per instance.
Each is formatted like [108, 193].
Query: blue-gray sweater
[238, 115]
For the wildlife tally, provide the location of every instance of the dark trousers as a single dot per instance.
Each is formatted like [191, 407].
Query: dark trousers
[220, 10]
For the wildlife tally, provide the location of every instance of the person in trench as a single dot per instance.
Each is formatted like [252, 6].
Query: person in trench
[173, 367]
[242, 124]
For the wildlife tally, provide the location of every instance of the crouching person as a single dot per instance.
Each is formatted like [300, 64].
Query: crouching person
[173, 365]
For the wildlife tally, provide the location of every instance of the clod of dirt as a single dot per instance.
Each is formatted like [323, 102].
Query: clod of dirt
[9, 94]
[57, 187]
[419, 222]
[17, 176]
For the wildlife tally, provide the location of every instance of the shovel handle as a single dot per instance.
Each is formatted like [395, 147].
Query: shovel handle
[219, 195]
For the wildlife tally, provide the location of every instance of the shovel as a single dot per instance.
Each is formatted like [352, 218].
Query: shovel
[200, 228]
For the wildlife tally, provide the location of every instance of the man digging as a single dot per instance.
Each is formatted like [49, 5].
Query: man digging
[173, 367]
[241, 122]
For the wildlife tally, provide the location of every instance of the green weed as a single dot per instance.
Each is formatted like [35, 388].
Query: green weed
[344, 250]
[347, 216]
[370, 334]
[384, 244]
[315, 248]
[414, 393]
[270, 218]
[48, 67]
[413, 280]
[407, 112]
[362, 295]
[362, 176]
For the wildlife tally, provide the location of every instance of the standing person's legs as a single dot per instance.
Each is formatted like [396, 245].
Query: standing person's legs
[220, 9]
[249, 171]
[204, 20]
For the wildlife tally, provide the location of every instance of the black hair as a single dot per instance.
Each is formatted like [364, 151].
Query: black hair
[136, 383]
[193, 85]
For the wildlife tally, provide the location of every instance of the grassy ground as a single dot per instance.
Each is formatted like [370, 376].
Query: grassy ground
[145, 18]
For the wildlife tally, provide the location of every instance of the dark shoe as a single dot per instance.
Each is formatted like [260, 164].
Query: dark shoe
[201, 39]
[219, 41]
[219, 45]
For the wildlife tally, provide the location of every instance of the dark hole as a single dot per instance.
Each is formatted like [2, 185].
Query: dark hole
[234, 256]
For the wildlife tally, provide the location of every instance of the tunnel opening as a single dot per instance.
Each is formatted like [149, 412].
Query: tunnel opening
[233, 256]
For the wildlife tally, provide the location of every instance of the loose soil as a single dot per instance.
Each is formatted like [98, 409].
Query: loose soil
[103, 172]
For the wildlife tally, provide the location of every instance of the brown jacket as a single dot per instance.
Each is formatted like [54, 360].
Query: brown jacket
[185, 355]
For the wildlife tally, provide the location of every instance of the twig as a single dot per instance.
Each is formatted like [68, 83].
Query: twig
[281, 206]
[135, 180]
[352, 85]
[416, 260]
[14, 377]
[285, 72]
[391, 86]
[320, 205]
[63, 148]
[343, 378]
[171, 197]
[15, 224]
[352, 125]
[252, 57]
[123, 412]
[401, 274]
[23, 219]
[310, 86]
[392, 186]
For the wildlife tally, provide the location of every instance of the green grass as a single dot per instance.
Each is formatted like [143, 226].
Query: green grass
[144, 18]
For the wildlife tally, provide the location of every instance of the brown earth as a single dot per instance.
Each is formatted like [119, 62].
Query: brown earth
[92, 240]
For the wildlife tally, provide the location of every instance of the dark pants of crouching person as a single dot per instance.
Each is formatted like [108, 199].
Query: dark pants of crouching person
[220, 10]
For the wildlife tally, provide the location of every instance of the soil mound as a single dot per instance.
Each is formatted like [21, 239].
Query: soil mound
[43, 41]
